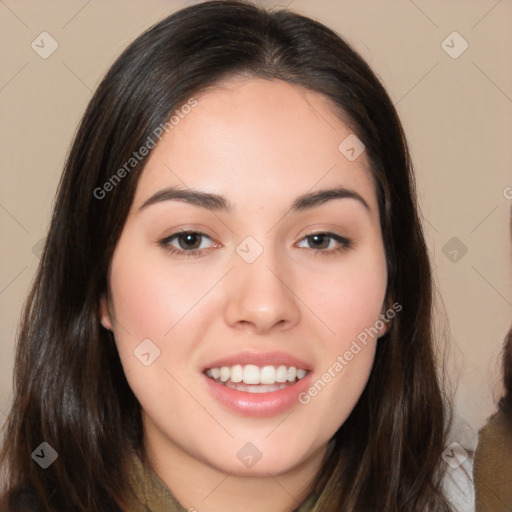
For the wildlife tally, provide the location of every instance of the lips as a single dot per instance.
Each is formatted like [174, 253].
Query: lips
[257, 384]
[259, 359]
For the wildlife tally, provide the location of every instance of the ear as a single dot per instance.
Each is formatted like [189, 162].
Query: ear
[104, 313]
[385, 320]
[384, 329]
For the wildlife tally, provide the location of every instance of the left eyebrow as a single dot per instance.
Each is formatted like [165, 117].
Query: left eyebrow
[215, 202]
[322, 196]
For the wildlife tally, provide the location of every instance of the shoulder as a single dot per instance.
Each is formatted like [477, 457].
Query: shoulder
[498, 427]
[493, 465]
[494, 449]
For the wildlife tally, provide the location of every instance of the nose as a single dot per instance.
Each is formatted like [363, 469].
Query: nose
[260, 295]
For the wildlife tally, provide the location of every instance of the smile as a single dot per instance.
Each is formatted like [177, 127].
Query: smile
[255, 379]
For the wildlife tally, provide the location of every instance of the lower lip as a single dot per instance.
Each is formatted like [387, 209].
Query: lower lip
[258, 404]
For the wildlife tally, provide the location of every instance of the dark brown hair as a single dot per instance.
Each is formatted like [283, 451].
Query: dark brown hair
[70, 390]
[505, 404]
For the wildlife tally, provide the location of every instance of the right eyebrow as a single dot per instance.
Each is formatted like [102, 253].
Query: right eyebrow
[191, 196]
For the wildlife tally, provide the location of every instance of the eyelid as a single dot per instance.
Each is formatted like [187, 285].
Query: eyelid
[343, 242]
[184, 231]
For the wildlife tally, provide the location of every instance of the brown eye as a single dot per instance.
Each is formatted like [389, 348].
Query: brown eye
[189, 240]
[326, 243]
[320, 241]
[189, 243]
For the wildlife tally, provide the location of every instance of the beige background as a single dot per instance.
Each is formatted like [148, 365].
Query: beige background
[456, 113]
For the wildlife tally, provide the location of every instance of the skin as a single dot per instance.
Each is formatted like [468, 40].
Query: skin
[260, 144]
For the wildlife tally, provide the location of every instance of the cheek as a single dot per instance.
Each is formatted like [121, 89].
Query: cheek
[349, 307]
[152, 301]
[348, 299]
[151, 296]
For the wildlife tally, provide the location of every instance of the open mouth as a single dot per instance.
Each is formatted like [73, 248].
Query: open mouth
[256, 379]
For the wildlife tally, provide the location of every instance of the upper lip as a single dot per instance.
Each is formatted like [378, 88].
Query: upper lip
[259, 359]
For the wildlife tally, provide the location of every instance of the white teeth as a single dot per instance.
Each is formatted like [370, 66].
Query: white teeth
[265, 376]
[262, 388]
[237, 373]
[251, 374]
[282, 374]
[225, 373]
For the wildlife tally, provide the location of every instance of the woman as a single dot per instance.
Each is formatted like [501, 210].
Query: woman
[186, 343]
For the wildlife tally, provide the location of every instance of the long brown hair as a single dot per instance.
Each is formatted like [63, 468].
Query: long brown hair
[70, 390]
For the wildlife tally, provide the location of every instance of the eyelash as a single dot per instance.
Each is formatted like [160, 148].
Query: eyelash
[344, 244]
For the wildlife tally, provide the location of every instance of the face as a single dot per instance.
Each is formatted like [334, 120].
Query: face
[235, 313]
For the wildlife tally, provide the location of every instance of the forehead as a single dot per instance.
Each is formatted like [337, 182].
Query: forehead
[255, 138]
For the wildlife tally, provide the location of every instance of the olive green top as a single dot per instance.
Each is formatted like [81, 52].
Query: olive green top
[152, 495]
[492, 470]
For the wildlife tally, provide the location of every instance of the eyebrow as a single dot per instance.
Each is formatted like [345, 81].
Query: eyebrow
[215, 202]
